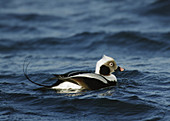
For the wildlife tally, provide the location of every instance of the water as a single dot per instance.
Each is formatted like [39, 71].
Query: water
[62, 36]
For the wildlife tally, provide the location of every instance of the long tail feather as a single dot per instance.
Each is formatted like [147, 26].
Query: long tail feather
[25, 68]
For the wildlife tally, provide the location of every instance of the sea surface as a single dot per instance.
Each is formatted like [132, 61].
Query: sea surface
[58, 36]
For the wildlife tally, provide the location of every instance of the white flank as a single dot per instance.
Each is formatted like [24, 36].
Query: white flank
[67, 86]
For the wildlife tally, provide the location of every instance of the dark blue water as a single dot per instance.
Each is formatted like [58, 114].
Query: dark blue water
[67, 35]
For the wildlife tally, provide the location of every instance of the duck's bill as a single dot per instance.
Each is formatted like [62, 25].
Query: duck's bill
[120, 68]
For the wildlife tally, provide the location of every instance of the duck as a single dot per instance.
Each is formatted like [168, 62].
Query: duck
[102, 77]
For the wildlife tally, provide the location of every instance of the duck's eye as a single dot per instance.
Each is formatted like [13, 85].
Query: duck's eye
[111, 64]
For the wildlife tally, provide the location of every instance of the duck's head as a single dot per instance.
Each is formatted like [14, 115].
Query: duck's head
[107, 65]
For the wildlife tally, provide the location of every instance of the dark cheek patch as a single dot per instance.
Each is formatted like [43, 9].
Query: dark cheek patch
[104, 70]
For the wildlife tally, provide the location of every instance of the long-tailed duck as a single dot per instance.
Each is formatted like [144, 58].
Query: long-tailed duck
[102, 77]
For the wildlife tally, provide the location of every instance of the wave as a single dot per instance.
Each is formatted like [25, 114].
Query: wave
[91, 41]
[7, 110]
[80, 41]
[87, 103]
[24, 17]
[139, 41]
[158, 7]
[38, 43]
[87, 108]
[129, 74]
[143, 41]
[18, 28]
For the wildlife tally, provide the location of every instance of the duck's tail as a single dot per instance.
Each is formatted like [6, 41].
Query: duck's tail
[25, 66]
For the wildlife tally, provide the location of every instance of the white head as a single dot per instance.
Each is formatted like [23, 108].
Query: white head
[106, 65]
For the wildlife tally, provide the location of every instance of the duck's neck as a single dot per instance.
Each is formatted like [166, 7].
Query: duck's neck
[109, 77]
[97, 70]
